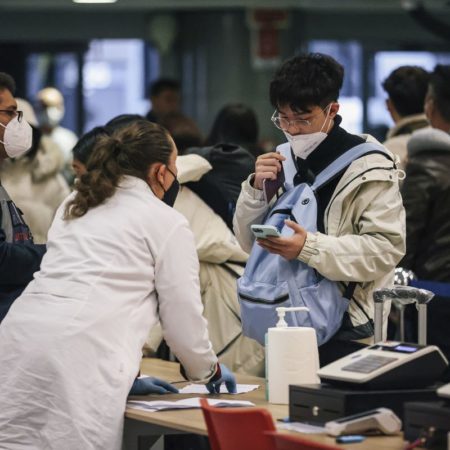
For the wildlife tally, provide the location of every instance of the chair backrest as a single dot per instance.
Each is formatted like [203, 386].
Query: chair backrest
[238, 428]
[282, 441]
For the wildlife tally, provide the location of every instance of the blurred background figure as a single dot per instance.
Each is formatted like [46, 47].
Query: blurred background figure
[406, 87]
[184, 131]
[237, 124]
[234, 127]
[34, 180]
[50, 111]
[425, 192]
[165, 98]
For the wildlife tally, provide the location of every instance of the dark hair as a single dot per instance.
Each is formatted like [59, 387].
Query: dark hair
[307, 80]
[7, 82]
[183, 129]
[235, 123]
[122, 120]
[83, 148]
[440, 89]
[407, 87]
[129, 150]
[163, 84]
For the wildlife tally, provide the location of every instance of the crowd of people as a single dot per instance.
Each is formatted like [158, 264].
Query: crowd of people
[130, 239]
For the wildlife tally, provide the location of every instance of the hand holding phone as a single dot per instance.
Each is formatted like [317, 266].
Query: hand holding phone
[264, 231]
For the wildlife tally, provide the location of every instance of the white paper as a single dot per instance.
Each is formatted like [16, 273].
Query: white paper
[301, 427]
[201, 389]
[161, 405]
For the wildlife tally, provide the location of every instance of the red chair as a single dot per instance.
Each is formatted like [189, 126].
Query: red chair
[281, 441]
[238, 428]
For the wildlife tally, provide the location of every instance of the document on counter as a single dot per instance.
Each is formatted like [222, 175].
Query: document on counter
[201, 389]
[301, 427]
[187, 403]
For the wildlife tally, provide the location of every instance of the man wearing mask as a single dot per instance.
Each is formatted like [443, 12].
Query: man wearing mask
[360, 217]
[19, 257]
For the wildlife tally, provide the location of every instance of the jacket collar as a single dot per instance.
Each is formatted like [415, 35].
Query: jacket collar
[407, 125]
[430, 139]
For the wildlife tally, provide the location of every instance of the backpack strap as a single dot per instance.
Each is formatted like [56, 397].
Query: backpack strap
[341, 163]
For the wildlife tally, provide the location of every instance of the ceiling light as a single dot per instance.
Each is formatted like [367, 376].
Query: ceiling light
[94, 1]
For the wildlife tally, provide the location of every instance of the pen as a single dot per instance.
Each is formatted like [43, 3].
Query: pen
[350, 439]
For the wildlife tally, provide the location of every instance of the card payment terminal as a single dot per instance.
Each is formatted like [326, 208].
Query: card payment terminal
[387, 365]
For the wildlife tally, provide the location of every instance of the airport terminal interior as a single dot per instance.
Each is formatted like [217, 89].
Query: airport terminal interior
[225, 224]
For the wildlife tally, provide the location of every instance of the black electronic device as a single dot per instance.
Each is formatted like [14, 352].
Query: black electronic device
[320, 403]
[387, 365]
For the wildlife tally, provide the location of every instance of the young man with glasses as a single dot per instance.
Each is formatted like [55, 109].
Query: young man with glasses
[360, 219]
[19, 257]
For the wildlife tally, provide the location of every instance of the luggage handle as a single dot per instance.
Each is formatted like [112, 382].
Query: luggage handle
[404, 295]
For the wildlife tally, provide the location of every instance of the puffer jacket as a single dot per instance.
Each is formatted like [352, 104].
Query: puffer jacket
[218, 252]
[364, 235]
[426, 194]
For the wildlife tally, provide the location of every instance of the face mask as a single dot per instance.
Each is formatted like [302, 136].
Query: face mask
[51, 116]
[170, 195]
[304, 144]
[17, 138]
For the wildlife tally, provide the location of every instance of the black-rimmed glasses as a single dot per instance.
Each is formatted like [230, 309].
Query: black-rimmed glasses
[11, 113]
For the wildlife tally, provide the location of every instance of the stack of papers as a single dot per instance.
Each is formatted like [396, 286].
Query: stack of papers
[187, 403]
[301, 427]
[201, 389]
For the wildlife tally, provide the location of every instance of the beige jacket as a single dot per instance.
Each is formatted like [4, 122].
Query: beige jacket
[217, 249]
[36, 186]
[365, 231]
[398, 136]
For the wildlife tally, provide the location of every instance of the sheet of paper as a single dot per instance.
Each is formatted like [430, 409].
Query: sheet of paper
[201, 389]
[186, 403]
[301, 427]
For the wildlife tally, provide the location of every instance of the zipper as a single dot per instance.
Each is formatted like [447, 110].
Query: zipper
[280, 299]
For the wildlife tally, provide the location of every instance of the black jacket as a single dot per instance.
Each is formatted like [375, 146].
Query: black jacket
[18, 262]
[426, 196]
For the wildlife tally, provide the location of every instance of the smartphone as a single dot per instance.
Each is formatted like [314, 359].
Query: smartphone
[264, 231]
[271, 187]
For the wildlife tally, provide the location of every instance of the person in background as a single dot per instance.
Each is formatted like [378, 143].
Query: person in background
[34, 180]
[119, 259]
[426, 193]
[406, 87]
[233, 127]
[237, 124]
[184, 131]
[165, 98]
[360, 216]
[20, 258]
[50, 111]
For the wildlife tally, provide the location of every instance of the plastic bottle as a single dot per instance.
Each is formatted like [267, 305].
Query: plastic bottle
[292, 357]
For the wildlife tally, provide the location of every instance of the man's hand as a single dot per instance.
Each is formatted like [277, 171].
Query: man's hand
[267, 166]
[287, 247]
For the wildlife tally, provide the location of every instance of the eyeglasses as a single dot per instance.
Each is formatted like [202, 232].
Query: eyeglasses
[11, 113]
[284, 124]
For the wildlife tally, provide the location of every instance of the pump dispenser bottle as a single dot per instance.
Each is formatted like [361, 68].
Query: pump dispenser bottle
[292, 357]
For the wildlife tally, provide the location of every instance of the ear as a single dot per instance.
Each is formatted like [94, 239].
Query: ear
[155, 173]
[334, 109]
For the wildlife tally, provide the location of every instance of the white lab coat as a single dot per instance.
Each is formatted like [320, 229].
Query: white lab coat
[70, 346]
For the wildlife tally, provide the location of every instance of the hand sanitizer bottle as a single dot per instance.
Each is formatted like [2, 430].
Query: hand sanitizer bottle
[292, 357]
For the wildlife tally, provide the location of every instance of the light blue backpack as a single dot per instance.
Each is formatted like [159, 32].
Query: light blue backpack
[270, 281]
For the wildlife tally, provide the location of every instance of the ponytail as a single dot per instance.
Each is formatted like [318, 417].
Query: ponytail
[130, 150]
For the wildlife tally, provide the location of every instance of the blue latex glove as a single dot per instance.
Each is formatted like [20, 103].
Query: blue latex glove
[151, 385]
[226, 377]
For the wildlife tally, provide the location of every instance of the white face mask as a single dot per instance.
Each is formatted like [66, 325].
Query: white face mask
[18, 137]
[304, 144]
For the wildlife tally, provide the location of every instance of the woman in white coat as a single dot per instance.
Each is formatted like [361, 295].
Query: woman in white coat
[119, 259]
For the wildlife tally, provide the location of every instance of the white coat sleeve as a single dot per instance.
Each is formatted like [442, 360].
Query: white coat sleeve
[375, 248]
[250, 209]
[180, 305]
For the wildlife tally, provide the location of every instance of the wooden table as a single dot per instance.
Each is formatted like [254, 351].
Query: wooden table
[143, 428]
